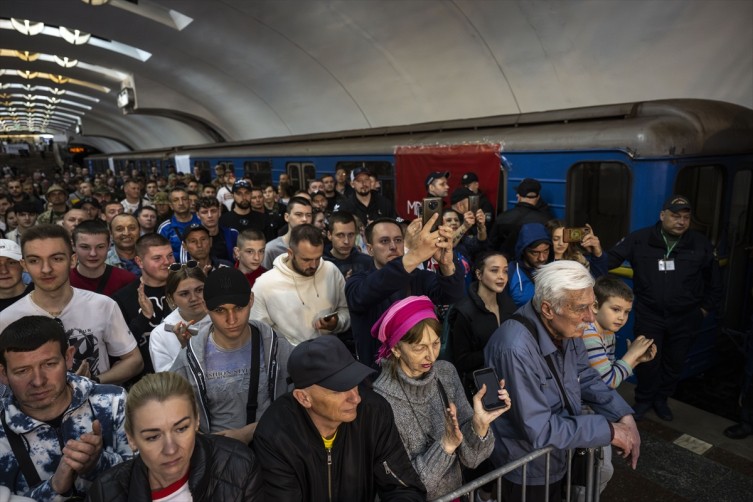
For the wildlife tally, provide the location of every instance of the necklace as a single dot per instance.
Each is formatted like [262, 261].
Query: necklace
[53, 313]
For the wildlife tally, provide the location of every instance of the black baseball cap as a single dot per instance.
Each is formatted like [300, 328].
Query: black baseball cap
[677, 203]
[435, 176]
[226, 285]
[241, 184]
[193, 227]
[468, 178]
[87, 200]
[459, 194]
[529, 186]
[358, 171]
[325, 361]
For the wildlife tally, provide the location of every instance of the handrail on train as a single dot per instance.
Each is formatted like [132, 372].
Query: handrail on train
[591, 490]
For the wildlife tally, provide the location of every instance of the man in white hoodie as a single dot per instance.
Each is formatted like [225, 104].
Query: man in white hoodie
[303, 296]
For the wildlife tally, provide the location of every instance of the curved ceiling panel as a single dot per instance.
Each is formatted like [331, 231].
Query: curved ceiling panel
[206, 71]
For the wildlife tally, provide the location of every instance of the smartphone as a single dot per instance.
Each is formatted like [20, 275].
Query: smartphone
[473, 203]
[328, 317]
[192, 330]
[574, 234]
[431, 206]
[489, 377]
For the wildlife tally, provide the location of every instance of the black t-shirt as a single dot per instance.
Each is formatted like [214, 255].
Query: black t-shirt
[254, 220]
[219, 247]
[128, 301]
[7, 302]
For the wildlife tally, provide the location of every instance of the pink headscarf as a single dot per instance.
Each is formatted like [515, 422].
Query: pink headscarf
[398, 320]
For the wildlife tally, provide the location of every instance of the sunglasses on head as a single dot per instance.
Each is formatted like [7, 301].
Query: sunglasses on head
[175, 267]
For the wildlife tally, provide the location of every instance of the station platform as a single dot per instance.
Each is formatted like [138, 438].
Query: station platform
[688, 459]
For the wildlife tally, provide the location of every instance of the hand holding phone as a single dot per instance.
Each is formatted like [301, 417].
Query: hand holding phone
[430, 207]
[488, 377]
[193, 330]
[574, 234]
[473, 201]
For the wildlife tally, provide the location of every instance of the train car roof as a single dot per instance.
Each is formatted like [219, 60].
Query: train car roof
[651, 129]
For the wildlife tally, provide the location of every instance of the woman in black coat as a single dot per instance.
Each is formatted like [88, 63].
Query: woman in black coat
[479, 314]
[173, 459]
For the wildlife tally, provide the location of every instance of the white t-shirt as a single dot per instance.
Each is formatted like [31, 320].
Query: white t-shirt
[173, 493]
[93, 323]
[131, 208]
[164, 346]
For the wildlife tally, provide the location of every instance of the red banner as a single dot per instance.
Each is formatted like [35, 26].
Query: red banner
[414, 163]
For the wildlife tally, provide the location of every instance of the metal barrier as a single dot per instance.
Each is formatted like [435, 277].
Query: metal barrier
[589, 493]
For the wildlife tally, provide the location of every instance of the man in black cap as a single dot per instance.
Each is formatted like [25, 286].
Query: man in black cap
[236, 366]
[365, 203]
[91, 206]
[677, 284]
[241, 216]
[529, 209]
[330, 439]
[436, 184]
[470, 181]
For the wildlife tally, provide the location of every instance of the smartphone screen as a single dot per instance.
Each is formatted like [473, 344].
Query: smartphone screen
[473, 203]
[431, 206]
[489, 377]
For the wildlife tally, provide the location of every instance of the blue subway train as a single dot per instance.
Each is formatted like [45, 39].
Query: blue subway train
[611, 166]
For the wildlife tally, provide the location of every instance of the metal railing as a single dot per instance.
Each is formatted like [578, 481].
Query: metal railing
[589, 493]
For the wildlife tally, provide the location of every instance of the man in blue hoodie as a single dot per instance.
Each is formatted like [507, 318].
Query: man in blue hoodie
[532, 250]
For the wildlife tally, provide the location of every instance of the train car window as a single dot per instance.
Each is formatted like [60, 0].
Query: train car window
[309, 173]
[598, 193]
[259, 172]
[384, 171]
[703, 186]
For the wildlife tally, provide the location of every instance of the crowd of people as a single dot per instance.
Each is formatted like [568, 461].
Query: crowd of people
[309, 345]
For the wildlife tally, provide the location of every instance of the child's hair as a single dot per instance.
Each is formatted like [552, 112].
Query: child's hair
[607, 287]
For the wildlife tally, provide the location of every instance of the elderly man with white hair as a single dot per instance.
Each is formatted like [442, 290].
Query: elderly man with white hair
[540, 354]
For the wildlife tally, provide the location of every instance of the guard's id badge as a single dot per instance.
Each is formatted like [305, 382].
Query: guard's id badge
[666, 265]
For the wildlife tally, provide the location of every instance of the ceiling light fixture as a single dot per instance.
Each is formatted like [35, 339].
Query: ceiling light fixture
[65, 62]
[27, 56]
[74, 37]
[26, 27]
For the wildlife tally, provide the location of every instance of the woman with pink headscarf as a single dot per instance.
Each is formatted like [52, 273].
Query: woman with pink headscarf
[440, 430]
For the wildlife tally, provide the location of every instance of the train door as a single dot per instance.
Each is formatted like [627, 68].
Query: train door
[739, 267]
[300, 173]
[598, 193]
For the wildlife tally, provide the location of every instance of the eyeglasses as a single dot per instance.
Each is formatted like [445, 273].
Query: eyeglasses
[175, 267]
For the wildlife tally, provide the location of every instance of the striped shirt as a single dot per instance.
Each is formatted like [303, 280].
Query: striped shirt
[601, 348]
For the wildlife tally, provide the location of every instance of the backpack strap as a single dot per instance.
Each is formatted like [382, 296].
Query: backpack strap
[103, 280]
[253, 385]
[201, 382]
[531, 328]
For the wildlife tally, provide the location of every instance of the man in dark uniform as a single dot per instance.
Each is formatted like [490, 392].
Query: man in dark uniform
[529, 209]
[677, 284]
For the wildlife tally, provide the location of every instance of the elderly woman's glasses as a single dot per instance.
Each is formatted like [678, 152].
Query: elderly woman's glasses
[175, 267]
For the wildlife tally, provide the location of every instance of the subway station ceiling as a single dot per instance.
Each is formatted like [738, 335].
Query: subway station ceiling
[140, 74]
